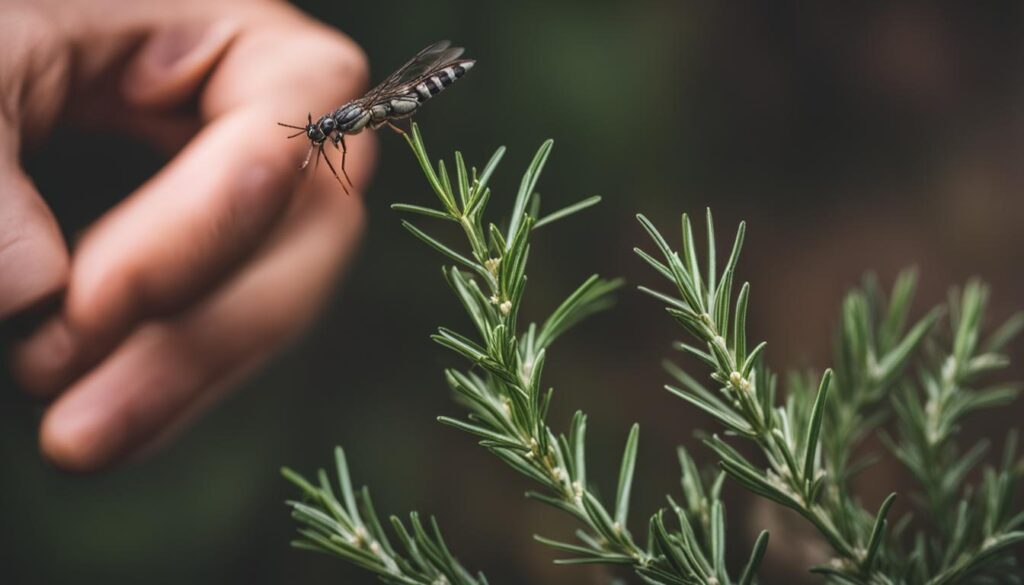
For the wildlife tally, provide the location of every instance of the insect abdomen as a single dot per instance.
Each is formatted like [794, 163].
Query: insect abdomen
[436, 83]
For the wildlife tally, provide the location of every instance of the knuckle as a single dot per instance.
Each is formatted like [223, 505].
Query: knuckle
[338, 54]
[35, 62]
[102, 297]
[352, 62]
[26, 27]
[341, 50]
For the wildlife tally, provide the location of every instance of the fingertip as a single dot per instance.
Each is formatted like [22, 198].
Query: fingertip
[75, 437]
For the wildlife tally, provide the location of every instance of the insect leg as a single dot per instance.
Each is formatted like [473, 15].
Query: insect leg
[309, 153]
[395, 128]
[331, 166]
[316, 166]
[344, 152]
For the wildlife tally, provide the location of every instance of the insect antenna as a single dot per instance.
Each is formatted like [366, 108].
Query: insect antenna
[300, 129]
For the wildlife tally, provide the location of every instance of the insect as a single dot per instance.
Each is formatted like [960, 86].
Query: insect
[397, 97]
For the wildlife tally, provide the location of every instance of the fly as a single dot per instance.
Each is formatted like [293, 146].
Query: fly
[397, 97]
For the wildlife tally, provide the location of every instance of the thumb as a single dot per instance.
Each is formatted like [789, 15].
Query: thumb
[33, 256]
[33, 74]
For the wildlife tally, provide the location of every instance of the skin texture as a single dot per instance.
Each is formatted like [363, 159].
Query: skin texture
[211, 265]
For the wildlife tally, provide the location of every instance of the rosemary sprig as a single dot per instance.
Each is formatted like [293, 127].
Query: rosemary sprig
[508, 403]
[508, 409]
[806, 468]
[788, 436]
[971, 529]
[872, 351]
[968, 529]
[351, 530]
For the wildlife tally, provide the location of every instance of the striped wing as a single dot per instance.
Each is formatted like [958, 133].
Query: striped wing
[425, 64]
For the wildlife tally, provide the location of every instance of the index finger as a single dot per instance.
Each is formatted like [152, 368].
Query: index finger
[192, 224]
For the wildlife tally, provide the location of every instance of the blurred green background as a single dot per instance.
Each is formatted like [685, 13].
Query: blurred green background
[855, 138]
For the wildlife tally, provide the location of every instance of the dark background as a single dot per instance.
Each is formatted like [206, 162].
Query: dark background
[869, 137]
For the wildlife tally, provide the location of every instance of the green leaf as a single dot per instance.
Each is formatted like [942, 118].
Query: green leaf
[593, 296]
[489, 168]
[433, 243]
[567, 211]
[462, 179]
[527, 186]
[756, 556]
[427, 211]
[724, 292]
[731, 420]
[690, 257]
[495, 438]
[899, 308]
[661, 268]
[626, 471]
[878, 532]
[345, 483]
[1006, 333]
[416, 143]
[814, 427]
[718, 541]
[752, 359]
[577, 438]
[892, 364]
[739, 334]
[712, 264]
[306, 487]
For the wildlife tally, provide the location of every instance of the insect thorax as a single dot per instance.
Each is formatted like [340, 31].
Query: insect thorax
[351, 117]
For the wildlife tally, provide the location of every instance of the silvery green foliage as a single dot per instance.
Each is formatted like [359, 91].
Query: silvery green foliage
[931, 373]
[350, 529]
[967, 531]
[507, 403]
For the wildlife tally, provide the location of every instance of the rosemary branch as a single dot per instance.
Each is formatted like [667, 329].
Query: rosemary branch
[350, 529]
[808, 441]
[508, 403]
[807, 469]
[508, 408]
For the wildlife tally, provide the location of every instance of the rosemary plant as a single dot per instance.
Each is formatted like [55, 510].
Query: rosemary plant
[508, 403]
[932, 373]
[808, 441]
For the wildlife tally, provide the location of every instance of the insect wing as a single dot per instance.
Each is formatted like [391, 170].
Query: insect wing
[424, 63]
[412, 83]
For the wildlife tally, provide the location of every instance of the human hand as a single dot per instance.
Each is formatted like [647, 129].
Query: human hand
[213, 263]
